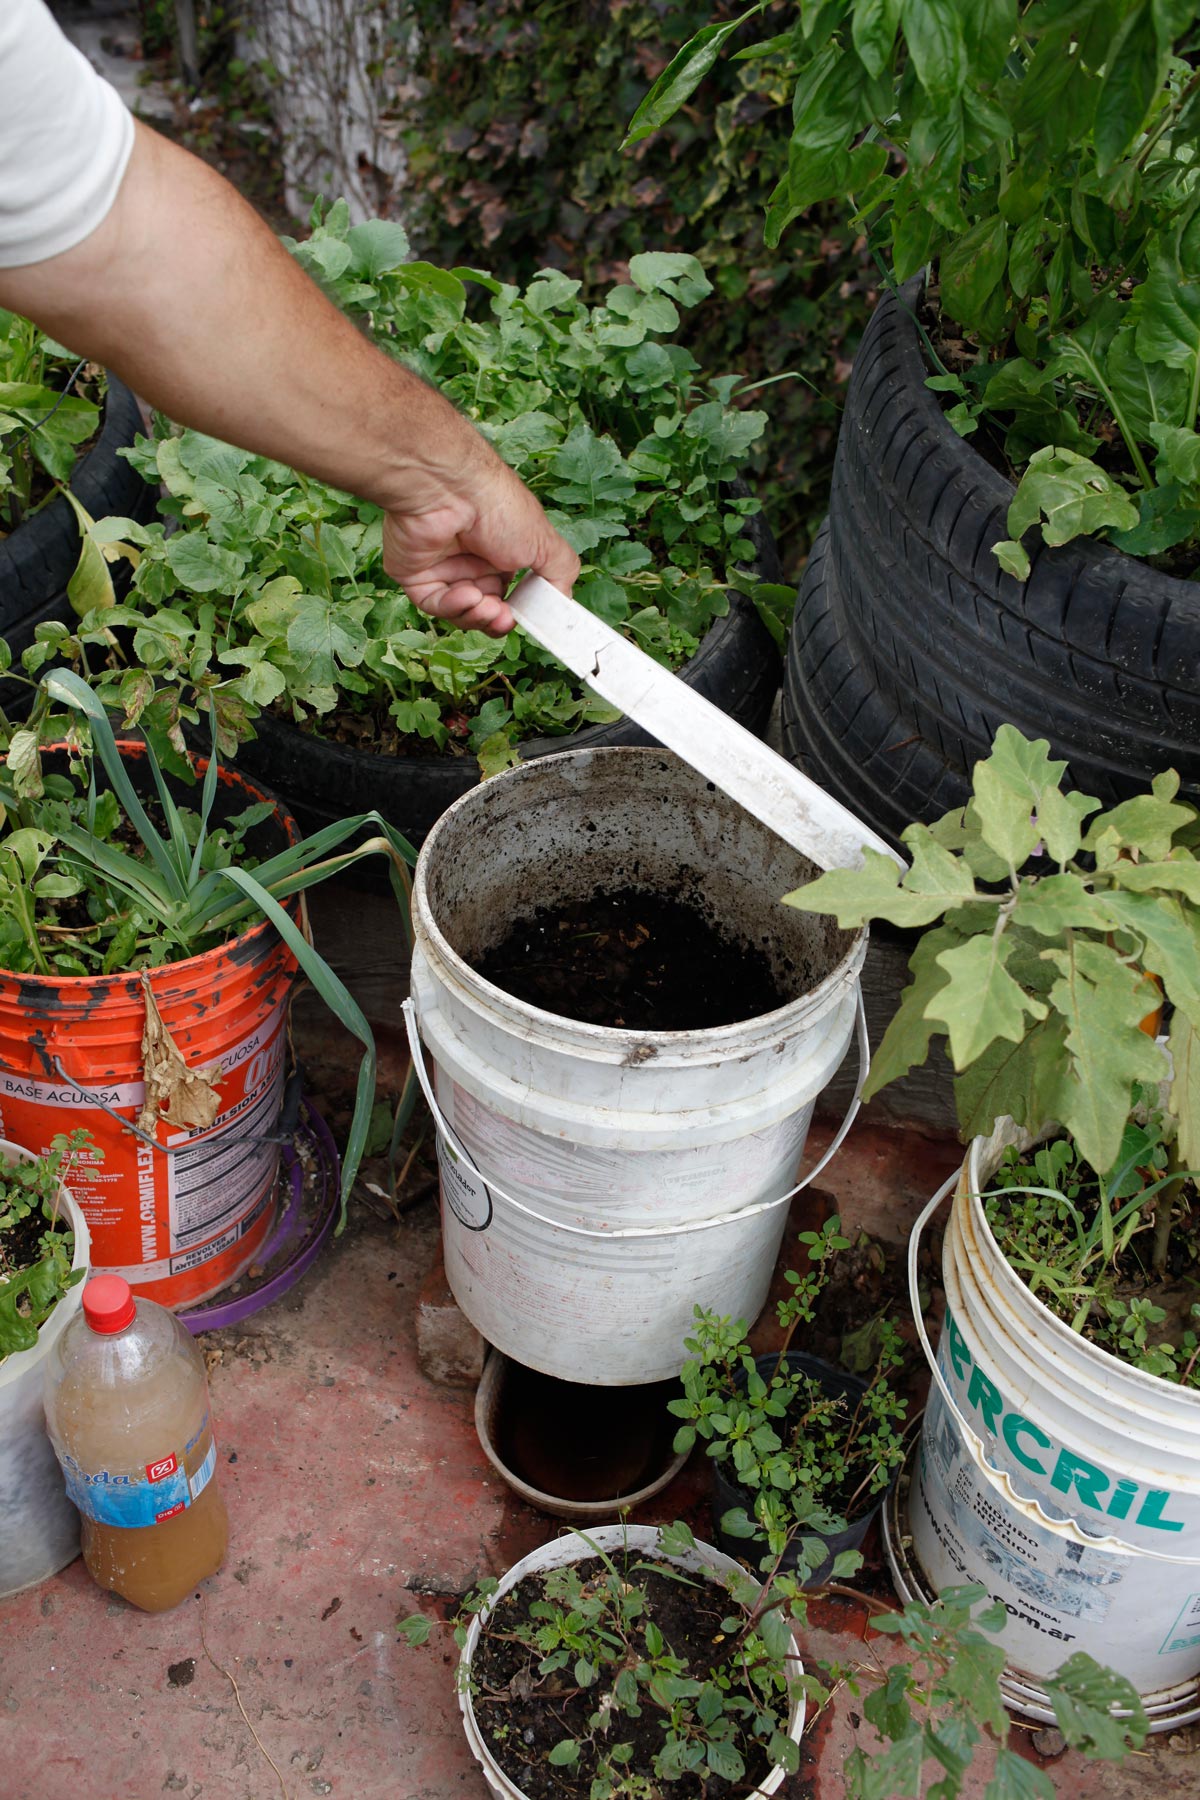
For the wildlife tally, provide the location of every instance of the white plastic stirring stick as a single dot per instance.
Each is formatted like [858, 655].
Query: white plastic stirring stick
[786, 801]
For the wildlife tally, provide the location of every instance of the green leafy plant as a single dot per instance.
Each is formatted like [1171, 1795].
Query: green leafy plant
[1039, 161]
[1047, 915]
[37, 1243]
[137, 893]
[643, 1720]
[272, 589]
[810, 1460]
[49, 406]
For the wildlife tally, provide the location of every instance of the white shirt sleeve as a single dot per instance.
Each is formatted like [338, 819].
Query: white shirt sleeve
[65, 138]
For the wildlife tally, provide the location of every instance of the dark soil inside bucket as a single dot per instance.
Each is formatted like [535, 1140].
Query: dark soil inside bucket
[524, 1714]
[637, 960]
[583, 1443]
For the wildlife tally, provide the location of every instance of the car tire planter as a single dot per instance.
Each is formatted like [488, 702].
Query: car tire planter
[38, 559]
[736, 667]
[1096, 650]
[842, 731]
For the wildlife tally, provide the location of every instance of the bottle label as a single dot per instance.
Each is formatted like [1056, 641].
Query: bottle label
[145, 1497]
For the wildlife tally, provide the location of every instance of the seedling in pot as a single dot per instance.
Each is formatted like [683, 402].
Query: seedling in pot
[580, 1690]
[36, 1242]
[1089, 1245]
[810, 1458]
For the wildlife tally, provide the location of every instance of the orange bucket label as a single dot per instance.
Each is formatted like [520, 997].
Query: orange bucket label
[182, 1216]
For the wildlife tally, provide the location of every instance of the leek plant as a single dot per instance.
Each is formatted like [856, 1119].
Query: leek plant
[90, 883]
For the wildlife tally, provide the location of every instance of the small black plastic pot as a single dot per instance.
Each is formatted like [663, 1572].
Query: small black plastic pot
[727, 1494]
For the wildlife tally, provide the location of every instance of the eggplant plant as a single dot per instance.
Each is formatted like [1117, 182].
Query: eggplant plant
[1059, 938]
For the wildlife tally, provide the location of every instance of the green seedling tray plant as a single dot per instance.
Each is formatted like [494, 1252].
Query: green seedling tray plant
[624, 1716]
[275, 584]
[1039, 162]
[1045, 916]
[37, 1243]
[811, 1462]
[143, 891]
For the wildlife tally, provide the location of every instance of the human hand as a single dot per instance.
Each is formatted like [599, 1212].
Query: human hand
[454, 553]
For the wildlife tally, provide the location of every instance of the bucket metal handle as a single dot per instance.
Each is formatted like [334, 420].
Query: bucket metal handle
[999, 1479]
[642, 1231]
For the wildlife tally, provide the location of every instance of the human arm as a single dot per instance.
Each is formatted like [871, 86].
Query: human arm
[192, 300]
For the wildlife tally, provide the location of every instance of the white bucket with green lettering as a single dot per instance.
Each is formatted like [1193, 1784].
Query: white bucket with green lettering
[1064, 1480]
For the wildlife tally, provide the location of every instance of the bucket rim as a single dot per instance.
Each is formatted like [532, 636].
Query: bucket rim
[126, 979]
[1022, 1299]
[487, 1400]
[816, 1000]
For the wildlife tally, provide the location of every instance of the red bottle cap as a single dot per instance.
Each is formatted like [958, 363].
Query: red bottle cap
[108, 1303]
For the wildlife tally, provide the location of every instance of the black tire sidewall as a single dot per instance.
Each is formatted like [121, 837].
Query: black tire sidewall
[1096, 650]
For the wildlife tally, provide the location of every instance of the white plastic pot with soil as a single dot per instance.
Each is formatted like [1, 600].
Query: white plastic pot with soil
[643, 1541]
[39, 1528]
[1063, 1479]
[608, 1164]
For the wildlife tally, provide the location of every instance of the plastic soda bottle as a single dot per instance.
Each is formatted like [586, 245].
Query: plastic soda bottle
[127, 1408]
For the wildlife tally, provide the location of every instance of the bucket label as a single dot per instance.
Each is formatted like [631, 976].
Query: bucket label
[139, 1497]
[175, 1217]
[1060, 1594]
[1185, 1633]
[1067, 1484]
[463, 1188]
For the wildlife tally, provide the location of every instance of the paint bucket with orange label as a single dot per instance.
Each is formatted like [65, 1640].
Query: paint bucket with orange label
[178, 1210]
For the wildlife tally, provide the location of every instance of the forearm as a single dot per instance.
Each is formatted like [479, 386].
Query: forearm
[193, 301]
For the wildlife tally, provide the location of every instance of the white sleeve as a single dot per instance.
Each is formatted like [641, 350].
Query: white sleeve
[65, 138]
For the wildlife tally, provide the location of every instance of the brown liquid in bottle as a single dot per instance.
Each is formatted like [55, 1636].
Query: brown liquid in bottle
[130, 1410]
[157, 1566]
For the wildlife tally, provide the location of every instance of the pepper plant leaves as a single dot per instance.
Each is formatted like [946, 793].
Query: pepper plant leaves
[1168, 329]
[934, 33]
[981, 1002]
[873, 29]
[971, 269]
[1103, 1001]
[1132, 79]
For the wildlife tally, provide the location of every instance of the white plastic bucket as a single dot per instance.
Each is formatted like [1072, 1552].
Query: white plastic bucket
[39, 1528]
[1063, 1479]
[574, 1547]
[598, 1184]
